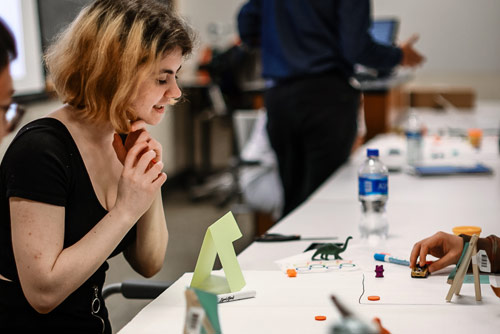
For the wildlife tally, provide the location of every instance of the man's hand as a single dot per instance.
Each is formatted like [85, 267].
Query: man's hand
[411, 57]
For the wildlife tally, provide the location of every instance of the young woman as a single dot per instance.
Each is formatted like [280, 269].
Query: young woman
[72, 193]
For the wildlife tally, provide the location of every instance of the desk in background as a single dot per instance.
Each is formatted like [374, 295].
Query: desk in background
[384, 100]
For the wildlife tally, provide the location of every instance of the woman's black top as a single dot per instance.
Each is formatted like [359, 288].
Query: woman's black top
[43, 164]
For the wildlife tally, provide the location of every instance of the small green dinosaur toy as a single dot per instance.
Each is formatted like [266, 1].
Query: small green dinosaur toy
[331, 249]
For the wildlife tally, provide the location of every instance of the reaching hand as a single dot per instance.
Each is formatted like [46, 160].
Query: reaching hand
[446, 247]
[411, 57]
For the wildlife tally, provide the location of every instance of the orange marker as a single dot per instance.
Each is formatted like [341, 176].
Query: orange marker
[291, 272]
[380, 327]
[320, 317]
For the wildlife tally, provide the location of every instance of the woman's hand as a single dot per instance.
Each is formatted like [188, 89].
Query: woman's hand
[446, 247]
[147, 253]
[140, 180]
[138, 134]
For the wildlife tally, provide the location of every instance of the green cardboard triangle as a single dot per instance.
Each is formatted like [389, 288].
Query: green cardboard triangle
[219, 241]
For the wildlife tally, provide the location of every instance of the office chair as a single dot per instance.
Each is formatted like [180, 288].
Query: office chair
[251, 181]
[136, 289]
[223, 186]
[226, 99]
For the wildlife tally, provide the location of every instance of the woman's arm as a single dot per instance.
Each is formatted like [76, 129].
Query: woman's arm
[147, 253]
[48, 272]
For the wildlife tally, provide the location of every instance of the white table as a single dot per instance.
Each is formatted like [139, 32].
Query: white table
[417, 208]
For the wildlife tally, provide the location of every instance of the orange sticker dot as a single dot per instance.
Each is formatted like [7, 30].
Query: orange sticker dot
[291, 272]
[320, 317]
[373, 298]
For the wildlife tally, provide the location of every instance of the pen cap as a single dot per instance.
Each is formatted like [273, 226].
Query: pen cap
[379, 257]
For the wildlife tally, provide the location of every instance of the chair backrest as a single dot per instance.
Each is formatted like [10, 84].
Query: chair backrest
[136, 289]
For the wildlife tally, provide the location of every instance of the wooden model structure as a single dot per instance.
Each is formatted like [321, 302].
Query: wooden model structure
[457, 276]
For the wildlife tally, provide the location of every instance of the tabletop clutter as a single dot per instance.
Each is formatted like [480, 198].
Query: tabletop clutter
[338, 263]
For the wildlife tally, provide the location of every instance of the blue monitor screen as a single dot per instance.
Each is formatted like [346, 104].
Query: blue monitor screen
[384, 31]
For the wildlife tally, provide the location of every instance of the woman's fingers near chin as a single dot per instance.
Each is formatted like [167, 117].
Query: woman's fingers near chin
[153, 162]
[119, 148]
[154, 145]
[137, 125]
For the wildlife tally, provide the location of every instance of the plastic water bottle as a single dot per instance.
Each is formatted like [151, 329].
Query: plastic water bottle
[414, 137]
[373, 192]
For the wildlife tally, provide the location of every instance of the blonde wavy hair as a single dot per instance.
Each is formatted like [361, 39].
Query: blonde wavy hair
[97, 63]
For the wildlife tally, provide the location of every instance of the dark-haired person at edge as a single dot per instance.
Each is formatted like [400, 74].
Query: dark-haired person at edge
[8, 52]
[72, 192]
[309, 49]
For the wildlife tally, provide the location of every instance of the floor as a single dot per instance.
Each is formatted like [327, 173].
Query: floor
[187, 222]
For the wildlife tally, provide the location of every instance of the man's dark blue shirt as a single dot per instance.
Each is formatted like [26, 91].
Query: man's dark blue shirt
[303, 37]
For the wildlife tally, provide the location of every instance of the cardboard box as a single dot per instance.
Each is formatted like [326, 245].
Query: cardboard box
[442, 97]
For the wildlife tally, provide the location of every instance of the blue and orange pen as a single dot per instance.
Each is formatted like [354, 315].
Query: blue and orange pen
[388, 258]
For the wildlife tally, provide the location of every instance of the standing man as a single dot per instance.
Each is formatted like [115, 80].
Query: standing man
[8, 52]
[309, 49]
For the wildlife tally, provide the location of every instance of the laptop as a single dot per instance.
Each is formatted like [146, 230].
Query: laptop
[383, 31]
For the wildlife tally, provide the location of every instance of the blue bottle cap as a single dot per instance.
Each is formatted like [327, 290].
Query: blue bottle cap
[372, 152]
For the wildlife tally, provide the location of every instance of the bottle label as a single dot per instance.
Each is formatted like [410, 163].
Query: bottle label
[414, 134]
[373, 186]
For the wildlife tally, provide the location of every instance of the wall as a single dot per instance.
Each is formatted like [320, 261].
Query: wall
[460, 39]
[202, 14]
